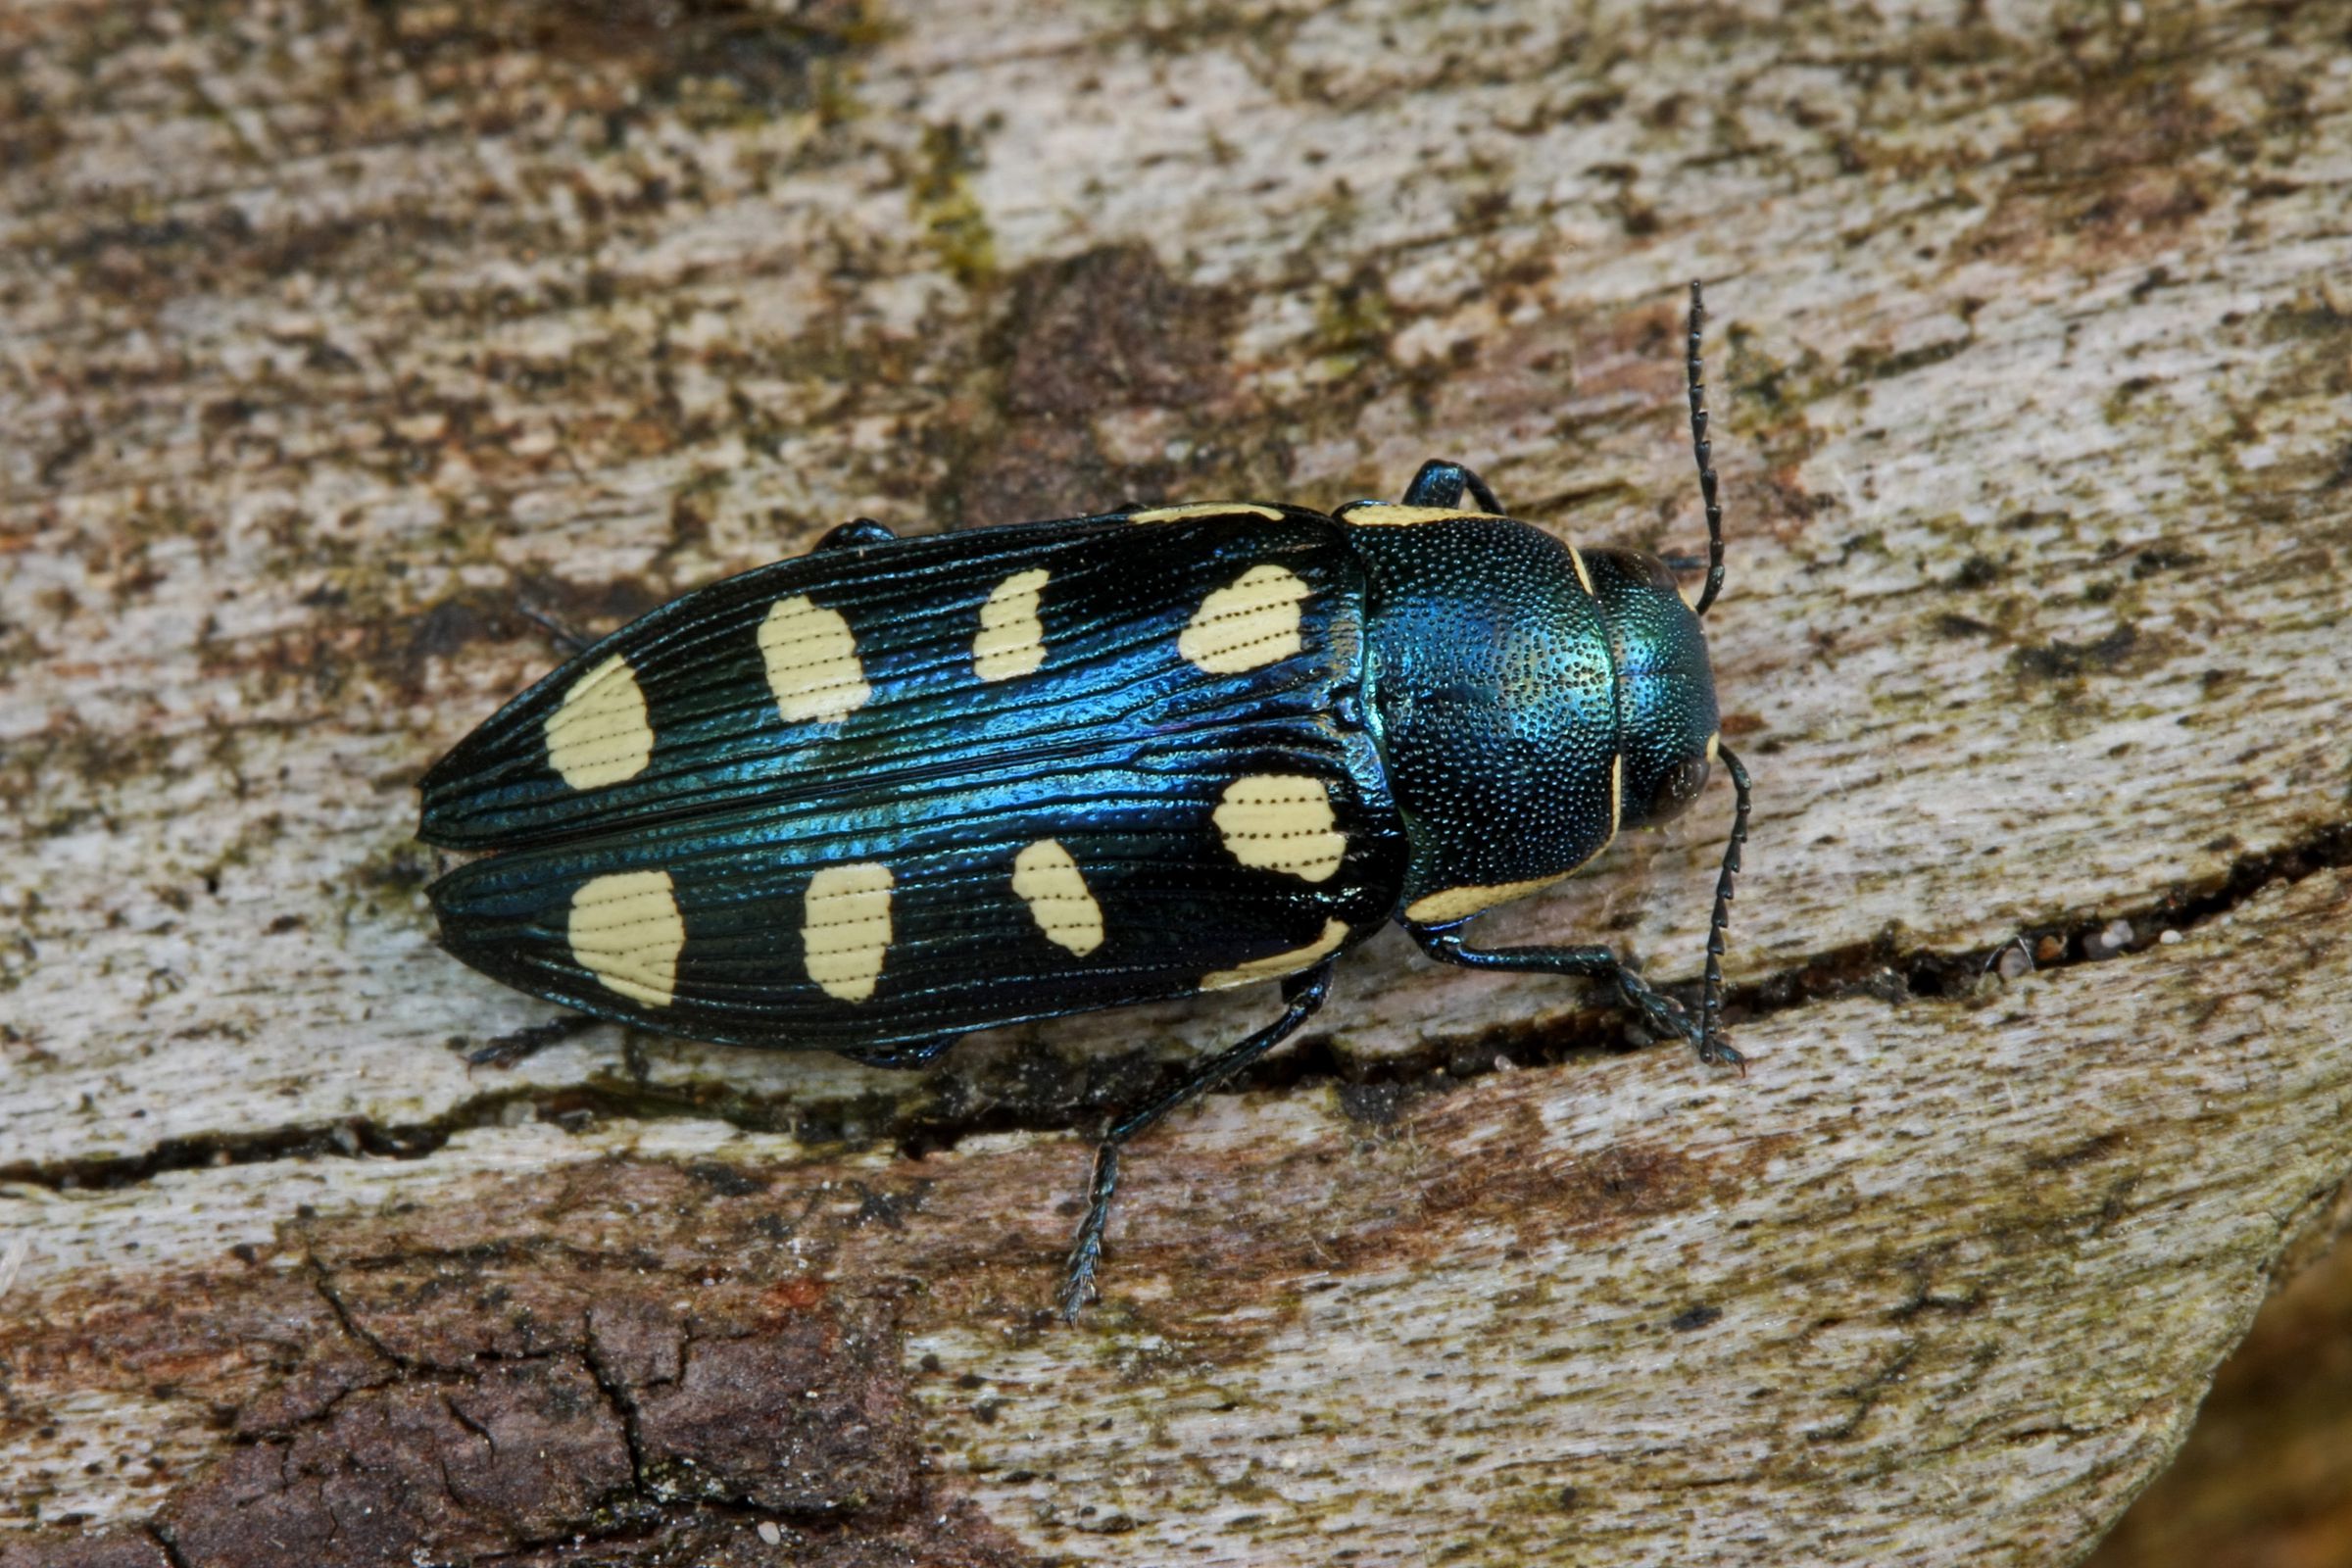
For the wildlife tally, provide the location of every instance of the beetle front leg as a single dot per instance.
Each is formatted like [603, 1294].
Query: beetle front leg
[1660, 1014]
[1304, 993]
[1441, 484]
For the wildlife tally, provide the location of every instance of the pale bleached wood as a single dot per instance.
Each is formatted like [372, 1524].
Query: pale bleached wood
[1933, 1285]
[2032, 365]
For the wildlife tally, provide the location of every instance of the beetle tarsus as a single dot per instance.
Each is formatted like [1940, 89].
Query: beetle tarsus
[1303, 994]
[520, 1045]
[1712, 1046]
[1658, 1013]
[1441, 484]
[1085, 1253]
[1663, 1016]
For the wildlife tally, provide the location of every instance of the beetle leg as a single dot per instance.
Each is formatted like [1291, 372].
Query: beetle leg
[519, 1045]
[909, 1053]
[1441, 484]
[563, 636]
[1304, 993]
[851, 534]
[1660, 1014]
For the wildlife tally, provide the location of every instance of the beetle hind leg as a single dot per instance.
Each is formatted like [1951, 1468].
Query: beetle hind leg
[1303, 992]
[1441, 484]
[1657, 1012]
[907, 1053]
[520, 1045]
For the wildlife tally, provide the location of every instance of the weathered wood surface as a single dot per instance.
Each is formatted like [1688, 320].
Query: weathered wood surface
[331, 334]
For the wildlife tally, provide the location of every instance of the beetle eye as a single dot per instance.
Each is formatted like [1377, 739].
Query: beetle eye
[1677, 789]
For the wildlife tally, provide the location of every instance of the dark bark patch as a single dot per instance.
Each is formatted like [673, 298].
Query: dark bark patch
[426, 1469]
[808, 1419]
[1105, 335]
[1110, 328]
[463, 1394]
[759, 57]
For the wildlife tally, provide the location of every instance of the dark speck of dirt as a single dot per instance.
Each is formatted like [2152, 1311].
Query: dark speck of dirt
[2058, 659]
[2162, 558]
[1375, 1105]
[725, 1179]
[1976, 571]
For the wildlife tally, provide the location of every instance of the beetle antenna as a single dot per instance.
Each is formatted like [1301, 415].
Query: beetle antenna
[1712, 1046]
[1696, 373]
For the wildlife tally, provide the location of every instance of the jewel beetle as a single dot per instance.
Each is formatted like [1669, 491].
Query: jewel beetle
[896, 790]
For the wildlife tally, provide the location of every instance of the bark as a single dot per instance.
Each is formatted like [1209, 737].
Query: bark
[338, 338]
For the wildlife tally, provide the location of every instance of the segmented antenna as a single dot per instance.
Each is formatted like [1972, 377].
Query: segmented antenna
[1703, 452]
[1712, 1046]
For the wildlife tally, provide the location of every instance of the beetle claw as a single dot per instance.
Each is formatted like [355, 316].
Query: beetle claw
[1717, 1052]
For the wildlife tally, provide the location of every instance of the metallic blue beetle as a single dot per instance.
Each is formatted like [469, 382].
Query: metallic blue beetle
[897, 790]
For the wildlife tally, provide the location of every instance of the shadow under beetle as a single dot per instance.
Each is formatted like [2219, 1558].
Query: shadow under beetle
[897, 790]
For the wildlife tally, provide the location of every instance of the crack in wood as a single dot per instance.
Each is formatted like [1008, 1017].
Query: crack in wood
[327, 1292]
[1879, 968]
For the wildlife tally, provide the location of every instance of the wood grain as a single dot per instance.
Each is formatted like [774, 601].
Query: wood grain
[334, 338]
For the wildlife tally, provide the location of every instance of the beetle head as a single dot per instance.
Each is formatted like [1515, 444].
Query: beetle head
[1666, 717]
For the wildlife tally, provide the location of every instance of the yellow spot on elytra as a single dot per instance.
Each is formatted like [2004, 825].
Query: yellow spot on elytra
[1282, 822]
[1616, 796]
[811, 661]
[1050, 882]
[1254, 621]
[1011, 640]
[1380, 515]
[845, 928]
[599, 734]
[1275, 967]
[625, 929]
[1203, 509]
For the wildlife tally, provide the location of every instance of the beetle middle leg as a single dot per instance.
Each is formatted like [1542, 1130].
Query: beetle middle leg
[851, 534]
[1660, 1014]
[1303, 992]
[1441, 484]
